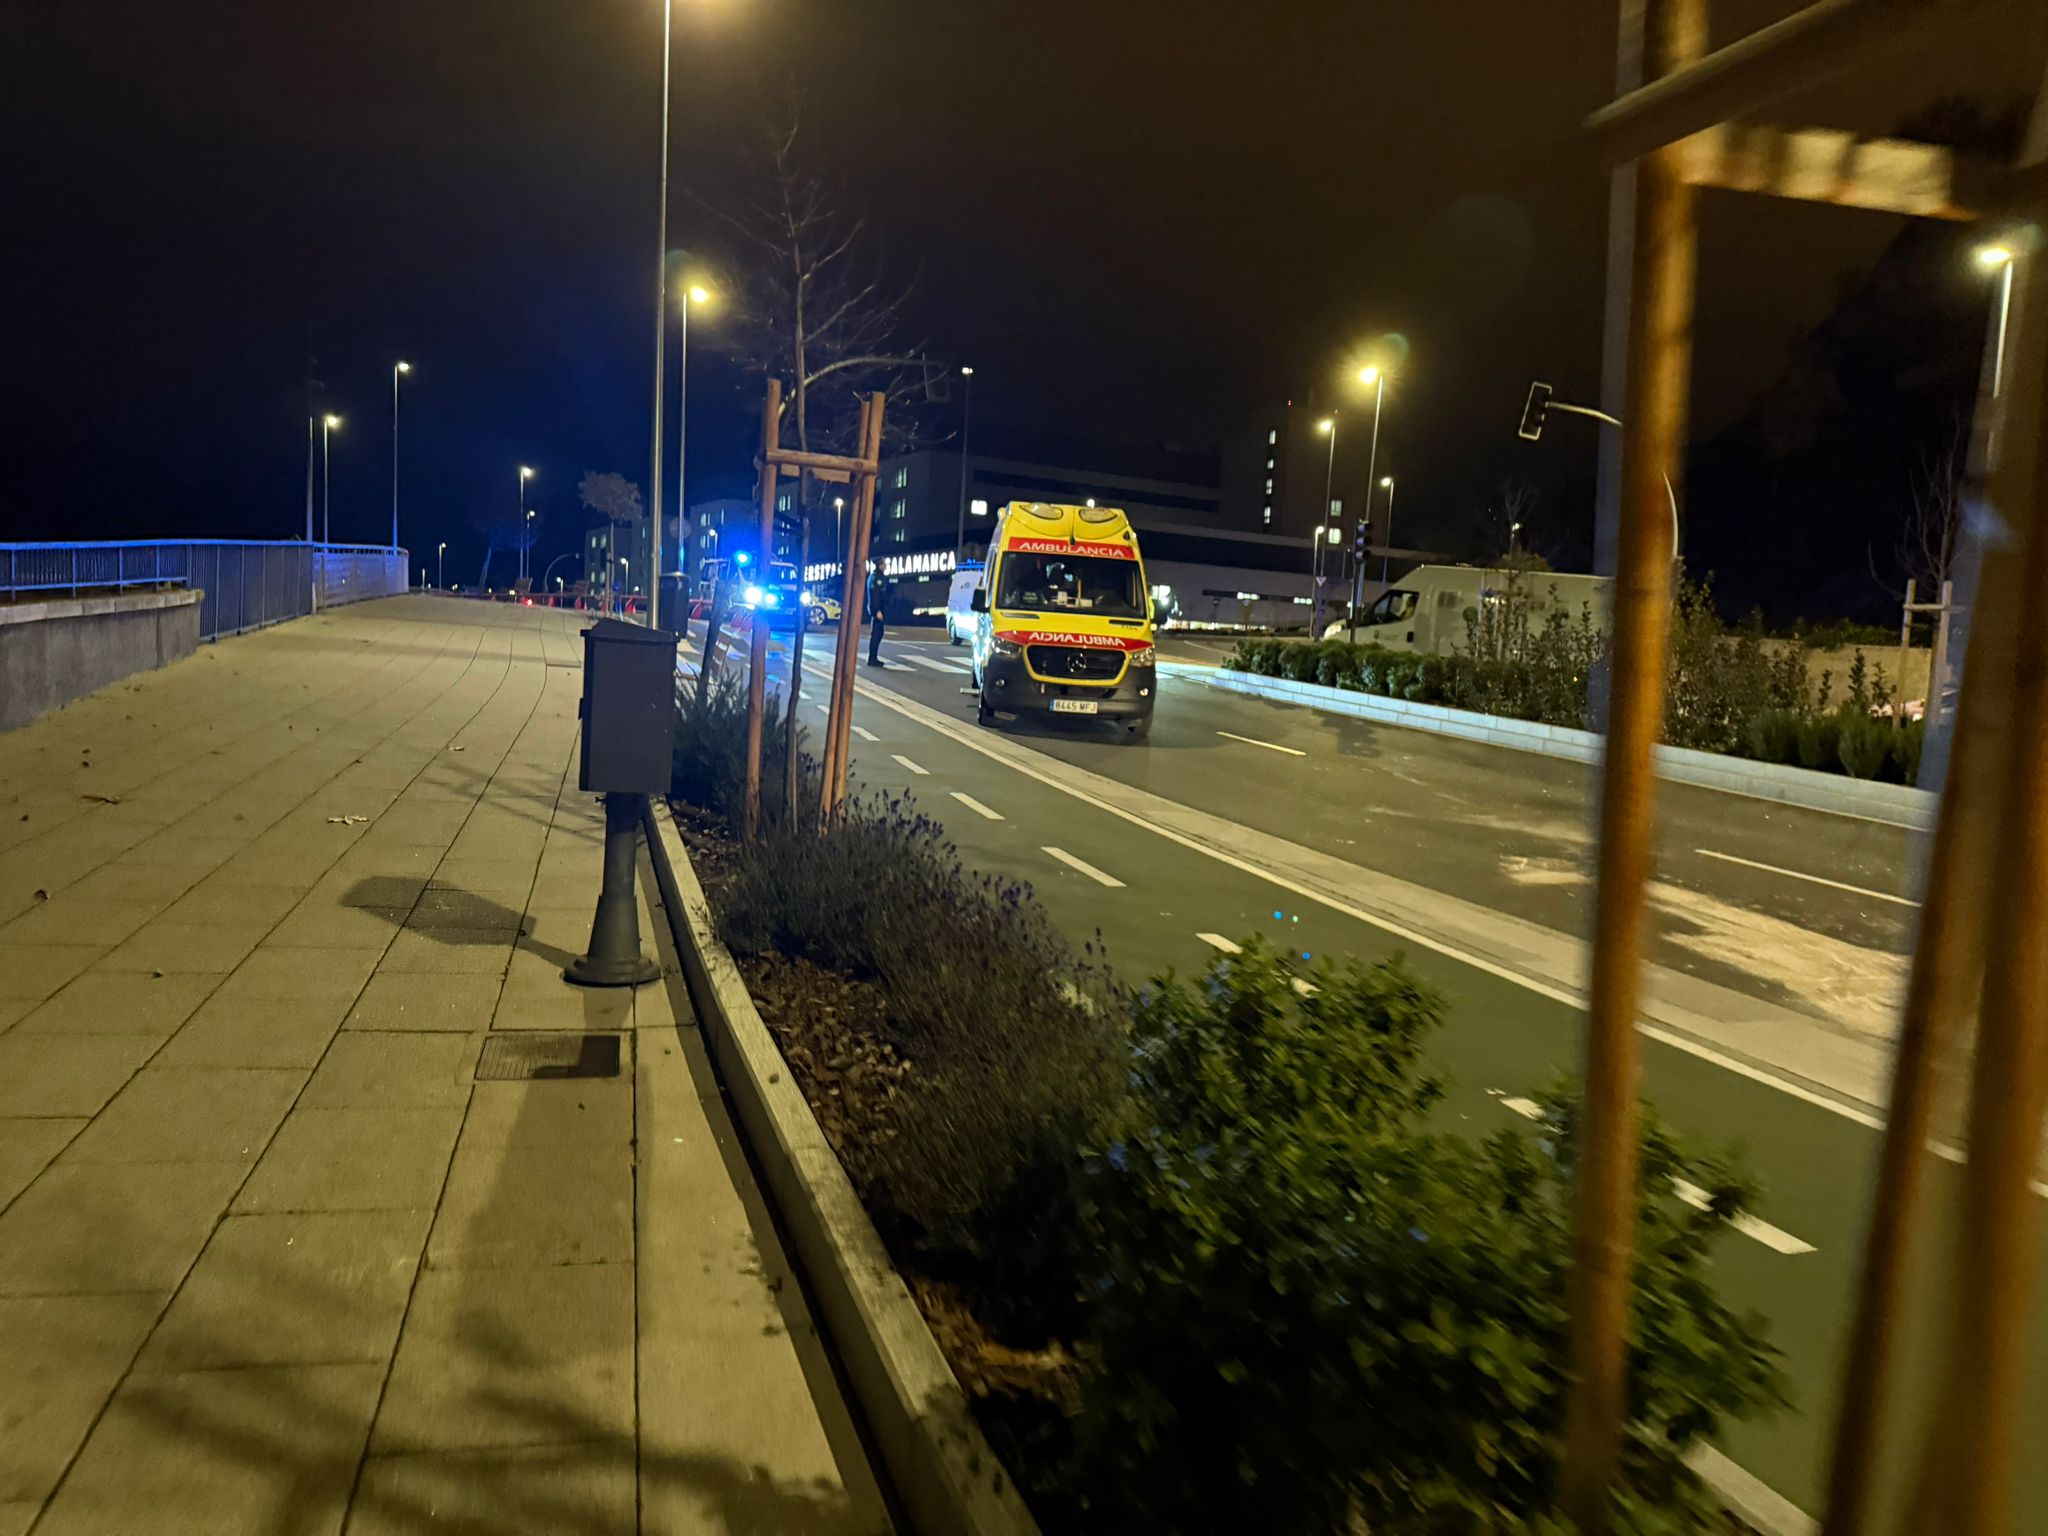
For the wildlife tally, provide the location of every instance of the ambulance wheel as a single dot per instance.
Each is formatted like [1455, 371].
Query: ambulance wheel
[983, 715]
[954, 637]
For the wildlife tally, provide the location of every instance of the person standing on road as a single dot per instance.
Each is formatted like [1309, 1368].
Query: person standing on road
[879, 593]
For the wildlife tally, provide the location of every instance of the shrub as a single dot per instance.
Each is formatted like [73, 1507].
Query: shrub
[1016, 1040]
[708, 761]
[1299, 661]
[1317, 1312]
[1906, 743]
[1820, 742]
[1865, 745]
[1399, 675]
[1336, 664]
[1428, 687]
[1772, 736]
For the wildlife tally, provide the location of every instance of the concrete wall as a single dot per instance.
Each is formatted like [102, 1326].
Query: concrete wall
[56, 651]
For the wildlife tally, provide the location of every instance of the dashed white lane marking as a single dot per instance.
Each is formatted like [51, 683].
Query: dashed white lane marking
[1305, 988]
[976, 806]
[1253, 741]
[1083, 866]
[906, 762]
[926, 661]
[1773, 869]
[1777, 1239]
[867, 735]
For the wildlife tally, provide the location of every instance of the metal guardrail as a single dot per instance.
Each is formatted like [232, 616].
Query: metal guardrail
[243, 584]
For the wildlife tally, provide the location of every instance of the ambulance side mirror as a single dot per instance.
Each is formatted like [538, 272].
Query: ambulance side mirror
[979, 601]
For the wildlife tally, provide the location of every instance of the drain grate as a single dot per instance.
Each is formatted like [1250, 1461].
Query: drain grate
[515, 1057]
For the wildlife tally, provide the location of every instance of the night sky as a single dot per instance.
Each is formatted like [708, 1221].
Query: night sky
[1137, 221]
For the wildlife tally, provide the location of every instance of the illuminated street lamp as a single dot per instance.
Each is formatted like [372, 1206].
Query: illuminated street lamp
[696, 293]
[1999, 259]
[1386, 533]
[397, 368]
[966, 421]
[327, 424]
[440, 570]
[1328, 427]
[525, 475]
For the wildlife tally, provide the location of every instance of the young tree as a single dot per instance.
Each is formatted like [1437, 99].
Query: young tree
[812, 307]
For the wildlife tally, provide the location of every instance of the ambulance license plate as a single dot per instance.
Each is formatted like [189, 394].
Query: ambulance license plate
[1073, 706]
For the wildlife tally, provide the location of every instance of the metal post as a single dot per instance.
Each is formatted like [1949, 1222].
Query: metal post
[326, 483]
[1315, 558]
[661, 316]
[757, 631]
[614, 958]
[682, 458]
[1937, 671]
[1372, 478]
[966, 423]
[1905, 653]
[796, 679]
[1659, 366]
[396, 369]
[1387, 536]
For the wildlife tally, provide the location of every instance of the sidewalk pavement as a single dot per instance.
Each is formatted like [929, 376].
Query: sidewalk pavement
[290, 1238]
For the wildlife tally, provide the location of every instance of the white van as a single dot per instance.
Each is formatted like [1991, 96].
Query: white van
[1426, 610]
[960, 619]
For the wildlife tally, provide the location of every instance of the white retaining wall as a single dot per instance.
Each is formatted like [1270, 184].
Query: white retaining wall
[1898, 804]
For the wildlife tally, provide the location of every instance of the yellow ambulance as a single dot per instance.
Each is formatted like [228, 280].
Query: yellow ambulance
[1063, 618]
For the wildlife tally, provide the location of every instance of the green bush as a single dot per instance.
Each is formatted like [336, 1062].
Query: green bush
[1015, 1040]
[1430, 675]
[1317, 1312]
[1299, 662]
[708, 760]
[1865, 745]
[1772, 736]
[1907, 741]
[1820, 742]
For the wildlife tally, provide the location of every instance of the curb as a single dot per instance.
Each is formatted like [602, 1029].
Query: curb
[1895, 804]
[941, 1467]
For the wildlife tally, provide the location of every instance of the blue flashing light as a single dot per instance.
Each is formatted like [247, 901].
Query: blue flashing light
[751, 597]
[741, 559]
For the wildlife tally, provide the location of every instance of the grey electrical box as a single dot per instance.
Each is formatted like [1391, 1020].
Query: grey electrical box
[628, 708]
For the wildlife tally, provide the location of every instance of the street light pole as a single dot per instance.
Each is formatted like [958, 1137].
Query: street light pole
[327, 424]
[1328, 427]
[396, 369]
[1377, 378]
[660, 310]
[440, 570]
[1387, 534]
[525, 475]
[966, 423]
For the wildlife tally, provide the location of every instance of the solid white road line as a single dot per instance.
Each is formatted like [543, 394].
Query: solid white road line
[926, 661]
[1773, 869]
[1253, 741]
[1221, 943]
[976, 806]
[1777, 1239]
[906, 762]
[865, 734]
[1083, 866]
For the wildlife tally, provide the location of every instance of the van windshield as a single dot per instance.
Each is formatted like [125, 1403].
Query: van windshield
[1391, 608]
[1071, 583]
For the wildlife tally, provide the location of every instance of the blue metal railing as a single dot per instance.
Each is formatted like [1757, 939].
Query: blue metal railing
[243, 584]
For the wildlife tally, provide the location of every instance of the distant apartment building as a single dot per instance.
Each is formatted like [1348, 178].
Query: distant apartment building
[615, 556]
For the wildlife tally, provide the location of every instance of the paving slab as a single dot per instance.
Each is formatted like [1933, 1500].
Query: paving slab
[167, 946]
[394, 1070]
[514, 1204]
[297, 1288]
[122, 1003]
[27, 1147]
[241, 1032]
[513, 1357]
[206, 1453]
[512, 1491]
[95, 1228]
[34, 971]
[60, 1359]
[46, 1074]
[426, 1001]
[189, 1115]
[359, 1158]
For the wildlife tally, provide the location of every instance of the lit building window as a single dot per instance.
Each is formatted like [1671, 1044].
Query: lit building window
[1336, 508]
[782, 502]
[1269, 485]
[1273, 436]
[1268, 515]
[1269, 464]
[899, 508]
[978, 506]
[896, 537]
[902, 476]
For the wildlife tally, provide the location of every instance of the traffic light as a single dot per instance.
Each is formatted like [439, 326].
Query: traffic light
[1360, 539]
[1533, 412]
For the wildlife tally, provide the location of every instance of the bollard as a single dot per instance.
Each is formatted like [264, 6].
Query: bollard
[628, 711]
[613, 958]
